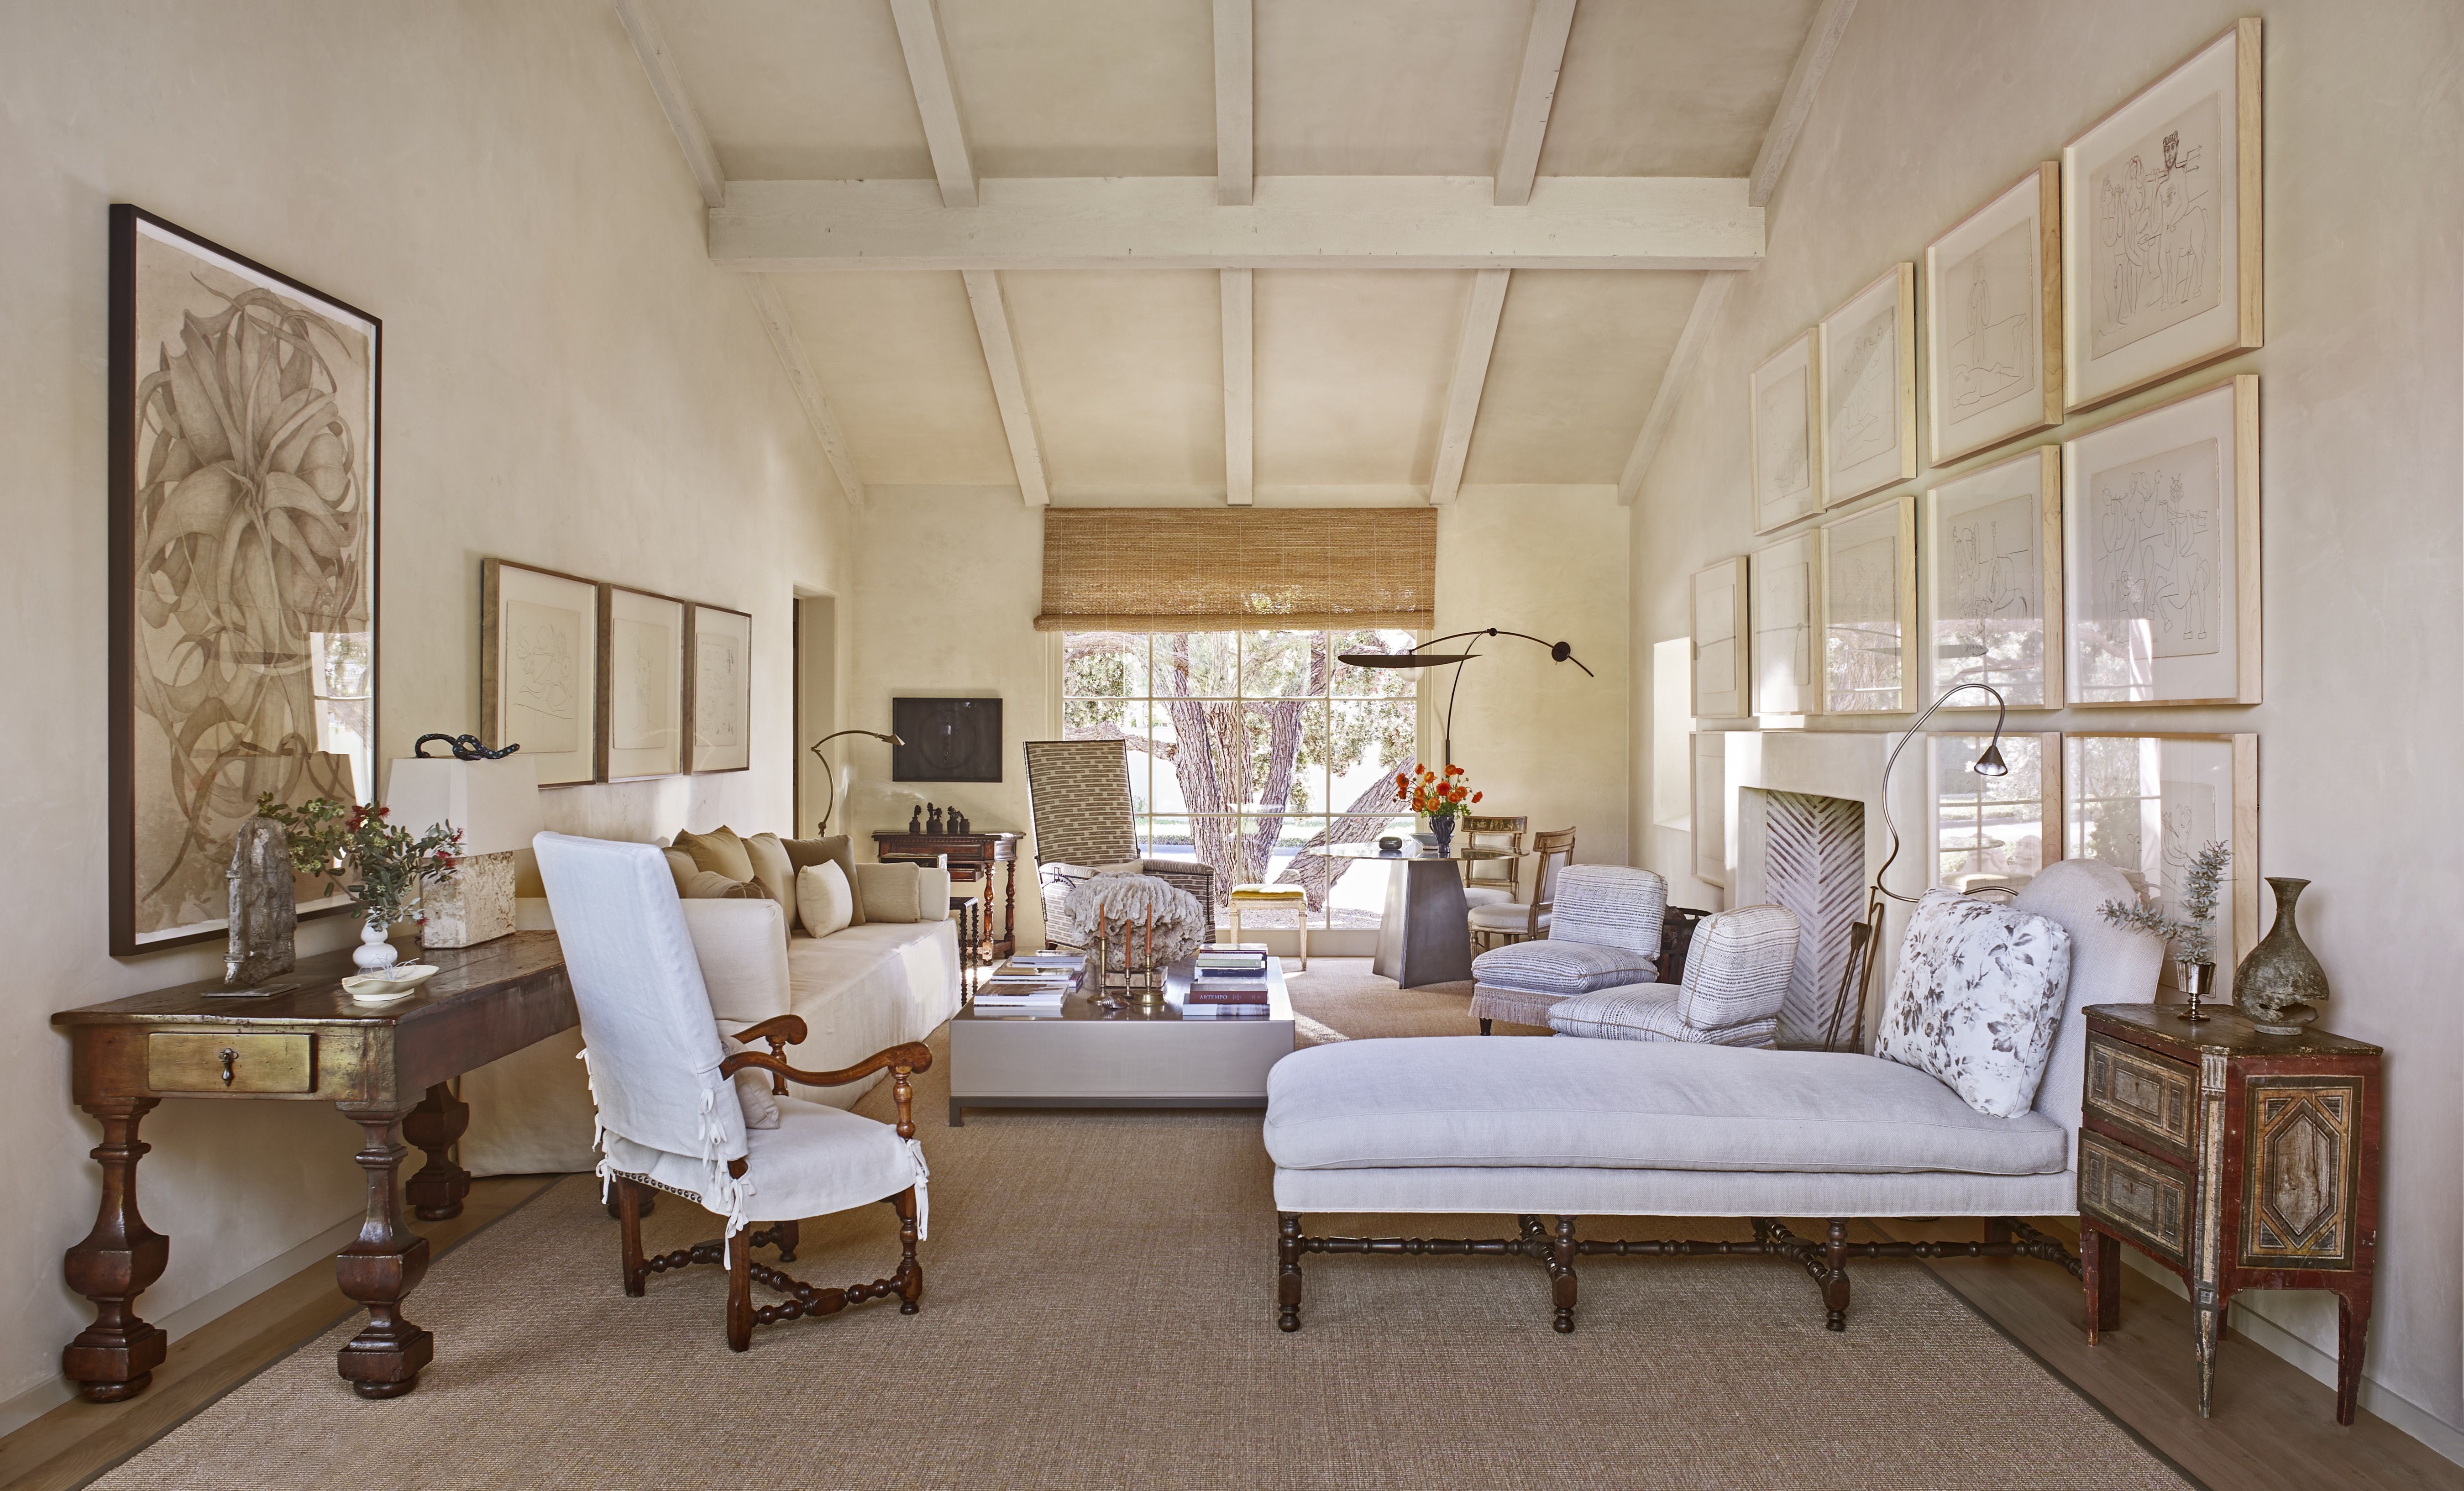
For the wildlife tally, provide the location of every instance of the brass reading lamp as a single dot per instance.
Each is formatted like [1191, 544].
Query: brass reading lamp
[830, 803]
[1414, 657]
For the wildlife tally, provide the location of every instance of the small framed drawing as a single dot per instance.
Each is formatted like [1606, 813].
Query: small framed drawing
[538, 669]
[2159, 553]
[2161, 227]
[1783, 409]
[1992, 832]
[1991, 573]
[1868, 354]
[1869, 610]
[1723, 688]
[1708, 787]
[718, 698]
[2147, 804]
[641, 685]
[1786, 588]
[1993, 318]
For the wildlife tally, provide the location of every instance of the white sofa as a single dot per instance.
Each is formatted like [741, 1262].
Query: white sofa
[1570, 1127]
[859, 990]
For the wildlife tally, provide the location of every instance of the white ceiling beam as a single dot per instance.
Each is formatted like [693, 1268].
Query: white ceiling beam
[1010, 384]
[1673, 382]
[1299, 222]
[936, 98]
[1471, 376]
[668, 85]
[1527, 124]
[782, 331]
[1240, 389]
[1796, 100]
[1236, 132]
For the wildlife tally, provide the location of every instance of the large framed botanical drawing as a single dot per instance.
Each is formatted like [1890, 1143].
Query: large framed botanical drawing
[1993, 317]
[2159, 545]
[1869, 610]
[1787, 651]
[538, 669]
[1707, 786]
[1867, 350]
[641, 685]
[1991, 831]
[1991, 574]
[1783, 412]
[718, 709]
[243, 479]
[2161, 227]
[2147, 804]
[1723, 685]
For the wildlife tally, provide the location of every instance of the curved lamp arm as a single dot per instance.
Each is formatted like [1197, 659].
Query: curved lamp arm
[1988, 764]
[1413, 657]
[830, 801]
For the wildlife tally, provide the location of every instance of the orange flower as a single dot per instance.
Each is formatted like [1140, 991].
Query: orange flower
[1476, 796]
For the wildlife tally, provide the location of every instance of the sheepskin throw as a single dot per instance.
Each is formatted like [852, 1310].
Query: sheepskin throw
[1180, 923]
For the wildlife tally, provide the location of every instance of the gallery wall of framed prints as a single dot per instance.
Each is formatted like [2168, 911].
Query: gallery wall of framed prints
[1991, 543]
[1869, 610]
[1868, 356]
[1993, 318]
[1787, 648]
[1717, 609]
[718, 704]
[1785, 428]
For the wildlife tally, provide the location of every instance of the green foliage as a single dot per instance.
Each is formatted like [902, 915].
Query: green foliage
[333, 839]
[2192, 940]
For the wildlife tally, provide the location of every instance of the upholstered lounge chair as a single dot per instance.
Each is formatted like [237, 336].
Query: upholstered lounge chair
[1604, 931]
[1736, 978]
[1078, 792]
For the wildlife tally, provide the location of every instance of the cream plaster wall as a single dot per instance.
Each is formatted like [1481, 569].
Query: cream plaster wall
[567, 382]
[1932, 107]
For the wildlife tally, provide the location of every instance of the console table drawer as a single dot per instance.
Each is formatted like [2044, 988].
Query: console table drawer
[2135, 1195]
[2134, 1089]
[214, 1063]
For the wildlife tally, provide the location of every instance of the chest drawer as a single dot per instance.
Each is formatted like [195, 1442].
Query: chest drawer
[207, 1062]
[2151, 1098]
[2136, 1196]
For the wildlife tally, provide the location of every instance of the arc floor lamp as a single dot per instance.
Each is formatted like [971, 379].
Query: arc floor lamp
[1415, 657]
[830, 803]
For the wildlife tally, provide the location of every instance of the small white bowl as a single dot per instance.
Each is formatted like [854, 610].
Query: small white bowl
[390, 985]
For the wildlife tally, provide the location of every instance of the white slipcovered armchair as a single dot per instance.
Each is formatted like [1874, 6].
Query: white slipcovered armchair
[1736, 978]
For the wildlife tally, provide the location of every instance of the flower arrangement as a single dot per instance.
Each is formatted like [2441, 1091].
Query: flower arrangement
[1445, 794]
[2192, 942]
[333, 839]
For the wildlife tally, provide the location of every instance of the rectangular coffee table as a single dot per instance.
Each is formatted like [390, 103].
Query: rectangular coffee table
[1088, 1057]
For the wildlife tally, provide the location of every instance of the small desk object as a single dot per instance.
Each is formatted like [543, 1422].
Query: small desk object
[2238, 1160]
[387, 1067]
[977, 853]
[1425, 935]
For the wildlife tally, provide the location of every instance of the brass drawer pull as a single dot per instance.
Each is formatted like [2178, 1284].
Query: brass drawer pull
[231, 1059]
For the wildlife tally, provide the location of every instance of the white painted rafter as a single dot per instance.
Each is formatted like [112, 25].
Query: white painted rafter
[1796, 99]
[1708, 301]
[1470, 377]
[1236, 131]
[936, 98]
[1010, 384]
[1527, 124]
[1240, 388]
[782, 331]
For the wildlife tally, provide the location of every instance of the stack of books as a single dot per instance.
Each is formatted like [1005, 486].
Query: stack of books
[1228, 983]
[1028, 986]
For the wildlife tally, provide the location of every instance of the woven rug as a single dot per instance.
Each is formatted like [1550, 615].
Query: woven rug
[1100, 1312]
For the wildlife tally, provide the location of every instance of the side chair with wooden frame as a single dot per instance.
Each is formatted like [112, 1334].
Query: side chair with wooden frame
[1495, 926]
[1497, 881]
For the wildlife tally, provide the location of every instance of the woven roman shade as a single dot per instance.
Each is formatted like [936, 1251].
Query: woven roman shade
[1234, 569]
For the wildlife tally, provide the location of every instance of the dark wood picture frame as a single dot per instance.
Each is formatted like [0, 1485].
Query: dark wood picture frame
[946, 739]
[701, 760]
[493, 728]
[127, 370]
[605, 763]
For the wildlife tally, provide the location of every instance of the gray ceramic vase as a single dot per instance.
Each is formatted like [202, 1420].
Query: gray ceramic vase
[2280, 985]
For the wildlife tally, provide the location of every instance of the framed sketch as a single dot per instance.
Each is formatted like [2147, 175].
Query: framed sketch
[1869, 610]
[2160, 546]
[641, 685]
[719, 703]
[538, 669]
[1991, 573]
[2161, 227]
[1992, 832]
[1993, 317]
[2146, 804]
[1723, 688]
[1782, 410]
[1868, 354]
[946, 739]
[1708, 787]
[243, 471]
[1787, 592]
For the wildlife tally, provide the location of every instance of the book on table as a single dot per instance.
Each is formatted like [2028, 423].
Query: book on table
[1073, 961]
[1229, 991]
[1196, 1009]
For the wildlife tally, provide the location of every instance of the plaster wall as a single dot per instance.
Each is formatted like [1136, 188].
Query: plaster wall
[1933, 106]
[567, 382]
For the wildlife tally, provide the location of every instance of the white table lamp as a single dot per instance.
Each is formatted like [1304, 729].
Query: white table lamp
[495, 804]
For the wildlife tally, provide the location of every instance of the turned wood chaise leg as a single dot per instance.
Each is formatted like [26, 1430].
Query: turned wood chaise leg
[629, 1220]
[911, 1273]
[1287, 1271]
[1561, 1271]
[739, 1290]
[2101, 1281]
[1835, 1275]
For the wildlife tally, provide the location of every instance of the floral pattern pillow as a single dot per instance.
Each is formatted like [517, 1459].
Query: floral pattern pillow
[1978, 994]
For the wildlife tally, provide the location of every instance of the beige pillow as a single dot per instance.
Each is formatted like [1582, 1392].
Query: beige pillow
[888, 892]
[772, 871]
[709, 885]
[805, 853]
[719, 850]
[681, 866]
[827, 901]
[752, 1088]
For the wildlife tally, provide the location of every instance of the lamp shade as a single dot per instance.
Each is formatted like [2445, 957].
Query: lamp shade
[495, 804]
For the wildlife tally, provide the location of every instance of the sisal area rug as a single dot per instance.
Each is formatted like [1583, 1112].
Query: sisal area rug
[1099, 1311]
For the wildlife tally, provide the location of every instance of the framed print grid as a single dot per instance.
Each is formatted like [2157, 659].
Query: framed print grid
[1868, 352]
[1783, 415]
[2147, 803]
[719, 709]
[1992, 832]
[1869, 610]
[1786, 637]
[1991, 570]
[1722, 683]
[244, 425]
[538, 669]
[1993, 320]
[641, 684]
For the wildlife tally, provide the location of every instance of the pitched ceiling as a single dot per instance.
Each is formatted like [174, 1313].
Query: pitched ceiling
[1123, 367]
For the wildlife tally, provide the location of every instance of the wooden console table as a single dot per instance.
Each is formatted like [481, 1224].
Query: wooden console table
[386, 1068]
[2237, 1160]
[977, 853]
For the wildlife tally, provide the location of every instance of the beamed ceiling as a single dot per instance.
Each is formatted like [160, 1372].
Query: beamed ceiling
[1165, 251]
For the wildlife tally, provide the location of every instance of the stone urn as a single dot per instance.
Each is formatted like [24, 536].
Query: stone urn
[2280, 985]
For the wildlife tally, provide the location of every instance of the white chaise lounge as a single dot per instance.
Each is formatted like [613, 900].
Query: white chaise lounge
[1569, 1127]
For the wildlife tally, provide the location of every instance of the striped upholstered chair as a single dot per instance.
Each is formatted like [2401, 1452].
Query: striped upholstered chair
[1736, 977]
[1603, 933]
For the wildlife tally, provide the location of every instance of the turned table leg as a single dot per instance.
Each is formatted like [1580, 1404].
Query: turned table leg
[114, 1357]
[384, 1263]
[2101, 1281]
[436, 1126]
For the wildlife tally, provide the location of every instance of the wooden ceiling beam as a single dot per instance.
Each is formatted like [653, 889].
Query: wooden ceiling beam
[1236, 129]
[936, 98]
[1796, 99]
[1239, 387]
[780, 329]
[667, 86]
[1470, 378]
[1673, 382]
[1527, 124]
[1010, 384]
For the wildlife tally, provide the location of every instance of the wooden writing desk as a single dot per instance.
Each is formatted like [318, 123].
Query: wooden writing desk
[385, 1067]
[975, 854]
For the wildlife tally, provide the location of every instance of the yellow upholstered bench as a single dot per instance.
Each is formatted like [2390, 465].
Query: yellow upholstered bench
[1287, 898]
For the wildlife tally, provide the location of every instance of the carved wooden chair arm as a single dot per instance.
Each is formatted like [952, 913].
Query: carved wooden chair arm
[782, 1031]
[903, 1061]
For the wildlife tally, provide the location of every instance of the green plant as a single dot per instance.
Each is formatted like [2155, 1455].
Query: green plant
[336, 838]
[2192, 942]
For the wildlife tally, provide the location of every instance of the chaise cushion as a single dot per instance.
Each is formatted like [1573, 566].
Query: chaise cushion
[1462, 1100]
[1647, 1012]
[1549, 966]
[1974, 1003]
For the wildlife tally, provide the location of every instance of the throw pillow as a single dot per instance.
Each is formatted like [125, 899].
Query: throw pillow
[773, 871]
[890, 893]
[837, 848]
[718, 850]
[752, 1088]
[709, 885]
[825, 899]
[681, 866]
[1979, 991]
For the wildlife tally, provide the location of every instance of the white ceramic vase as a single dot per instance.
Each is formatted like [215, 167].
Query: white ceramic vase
[374, 951]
